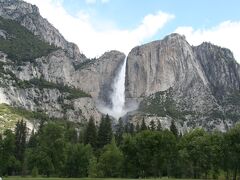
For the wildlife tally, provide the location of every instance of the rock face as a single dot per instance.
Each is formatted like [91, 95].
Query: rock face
[171, 80]
[54, 84]
[28, 16]
[189, 84]
[220, 67]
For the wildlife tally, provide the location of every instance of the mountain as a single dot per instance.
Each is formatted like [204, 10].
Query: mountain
[41, 72]
[43, 76]
[195, 86]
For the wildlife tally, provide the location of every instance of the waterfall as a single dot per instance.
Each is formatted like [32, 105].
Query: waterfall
[118, 106]
[118, 94]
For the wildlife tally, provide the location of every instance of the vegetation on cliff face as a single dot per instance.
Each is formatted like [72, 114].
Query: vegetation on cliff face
[74, 93]
[161, 104]
[20, 44]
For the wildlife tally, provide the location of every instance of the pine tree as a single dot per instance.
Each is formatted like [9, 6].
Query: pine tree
[137, 127]
[173, 128]
[152, 126]
[108, 129]
[143, 125]
[32, 143]
[20, 140]
[105, 132]
[90, 136]
[101, 133]
[131, 128]
[119, 131]
[7, 150]
[126, 128]
[159, 126]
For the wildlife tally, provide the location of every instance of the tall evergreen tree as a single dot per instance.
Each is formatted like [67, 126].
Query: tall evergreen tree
[138, 127]
[20, 140]
[131, 128]
[108, 127]
[152, 126]
[173, 128]
[126, 128]
[119, 131]
[104, 132]
[71, 134]
[8, 162]
[159, 126]
[90, 136]
[32, 140]
[143, 125]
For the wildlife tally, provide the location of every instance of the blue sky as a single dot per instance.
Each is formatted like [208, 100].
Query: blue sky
[97, 26]
[129, 13]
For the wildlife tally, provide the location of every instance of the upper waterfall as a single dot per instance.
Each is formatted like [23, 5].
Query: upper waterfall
[118, 94]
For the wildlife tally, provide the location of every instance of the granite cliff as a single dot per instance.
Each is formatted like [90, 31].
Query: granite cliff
[42, 73]
[195, 86]
[55, 79]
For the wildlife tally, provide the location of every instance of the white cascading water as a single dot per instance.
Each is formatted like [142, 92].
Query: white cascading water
[118, 105]
[118, 94]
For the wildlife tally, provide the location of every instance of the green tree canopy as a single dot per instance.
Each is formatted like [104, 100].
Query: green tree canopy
[110, 161]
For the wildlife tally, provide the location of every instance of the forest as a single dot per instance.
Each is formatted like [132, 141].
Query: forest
[59, 149]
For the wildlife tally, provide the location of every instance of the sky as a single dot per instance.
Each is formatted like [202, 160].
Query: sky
[97, 26]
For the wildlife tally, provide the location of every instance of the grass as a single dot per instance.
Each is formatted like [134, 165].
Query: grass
[9, 116]
[29, 178]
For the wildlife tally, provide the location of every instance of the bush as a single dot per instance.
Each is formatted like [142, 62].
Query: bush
[34, 172]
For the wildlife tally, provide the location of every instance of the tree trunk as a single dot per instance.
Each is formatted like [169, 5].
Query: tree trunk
[235, 174]
[227, 175]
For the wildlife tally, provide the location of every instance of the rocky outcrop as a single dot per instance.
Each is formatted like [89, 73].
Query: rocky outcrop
[61, 79]
[176, 80]
[28, 16]
[94, 77]
[165, 64]
[220, 68]
[171, 80]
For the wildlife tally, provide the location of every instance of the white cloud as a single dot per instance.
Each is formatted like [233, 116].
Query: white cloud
[226, 34]
[94, 41]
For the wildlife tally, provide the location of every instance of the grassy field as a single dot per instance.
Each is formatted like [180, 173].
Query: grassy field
[29, 178]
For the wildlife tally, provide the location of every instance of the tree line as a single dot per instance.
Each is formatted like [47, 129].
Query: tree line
[141, 151]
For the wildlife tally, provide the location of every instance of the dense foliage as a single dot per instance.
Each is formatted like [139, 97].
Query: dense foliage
[20, 44]
[59, 149]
